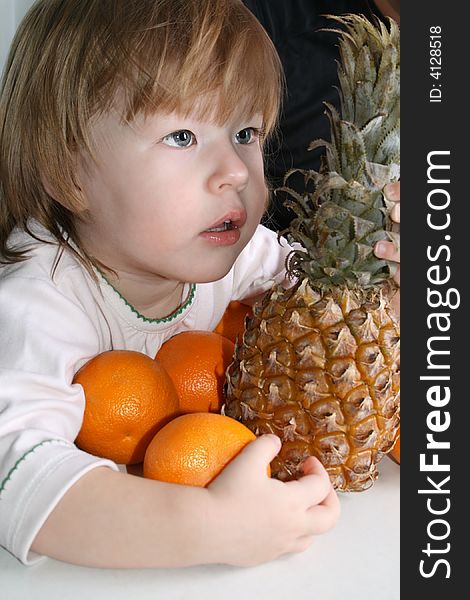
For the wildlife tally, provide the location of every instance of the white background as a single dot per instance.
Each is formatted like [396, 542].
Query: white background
[11, 13]
[359, 559]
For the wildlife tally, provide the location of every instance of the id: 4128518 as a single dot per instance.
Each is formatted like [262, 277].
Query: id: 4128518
[435, 62]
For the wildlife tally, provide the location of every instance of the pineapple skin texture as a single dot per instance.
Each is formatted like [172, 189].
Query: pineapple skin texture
[320, 369]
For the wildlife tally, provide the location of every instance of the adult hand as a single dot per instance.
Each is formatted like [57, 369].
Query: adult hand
[390, 250]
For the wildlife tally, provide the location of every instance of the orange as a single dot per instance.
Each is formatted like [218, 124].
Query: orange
[129, 397]
[395, 451]
[232, 324]
[196, 361]
[194, 448]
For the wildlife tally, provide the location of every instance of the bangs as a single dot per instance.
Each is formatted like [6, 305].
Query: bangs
[209, 59]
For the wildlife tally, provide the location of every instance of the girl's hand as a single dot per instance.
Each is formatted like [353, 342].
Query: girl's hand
[388, 250]
[256, 518]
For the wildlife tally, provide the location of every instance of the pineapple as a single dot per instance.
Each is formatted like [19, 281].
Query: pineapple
[319, 362]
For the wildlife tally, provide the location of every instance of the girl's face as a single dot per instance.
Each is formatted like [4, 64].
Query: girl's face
[173, 197]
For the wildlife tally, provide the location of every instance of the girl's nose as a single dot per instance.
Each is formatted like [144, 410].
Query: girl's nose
[229, 172]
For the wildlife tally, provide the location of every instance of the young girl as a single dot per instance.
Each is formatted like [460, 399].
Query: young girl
[132, 188]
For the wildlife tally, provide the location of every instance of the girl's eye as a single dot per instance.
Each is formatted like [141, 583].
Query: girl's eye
[247, 135]
[180, 139]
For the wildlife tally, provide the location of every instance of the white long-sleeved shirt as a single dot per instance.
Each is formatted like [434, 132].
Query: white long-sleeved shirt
[50, 327]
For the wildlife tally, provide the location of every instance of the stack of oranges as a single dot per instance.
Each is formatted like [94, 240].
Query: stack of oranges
[165, 412]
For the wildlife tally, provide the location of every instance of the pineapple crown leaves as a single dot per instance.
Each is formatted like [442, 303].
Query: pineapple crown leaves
[339, 222]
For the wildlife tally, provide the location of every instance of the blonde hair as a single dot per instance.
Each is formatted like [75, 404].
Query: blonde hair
[69, 60]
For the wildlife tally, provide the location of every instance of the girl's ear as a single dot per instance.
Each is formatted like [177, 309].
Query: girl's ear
[68, 192]
[67, 187]
[55, 194]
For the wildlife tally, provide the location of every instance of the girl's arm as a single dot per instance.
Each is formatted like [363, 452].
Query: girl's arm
[110, 519]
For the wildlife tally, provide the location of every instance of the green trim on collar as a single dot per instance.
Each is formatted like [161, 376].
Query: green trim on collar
[173, 315]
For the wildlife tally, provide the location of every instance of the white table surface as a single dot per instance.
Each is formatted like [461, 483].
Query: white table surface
[359, 559]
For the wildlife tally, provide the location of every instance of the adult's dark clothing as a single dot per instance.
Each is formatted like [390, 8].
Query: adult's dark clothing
[309, 60]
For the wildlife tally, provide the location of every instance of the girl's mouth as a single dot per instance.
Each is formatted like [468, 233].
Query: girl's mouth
[226, 226]
[225, 233]
[233, 219]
